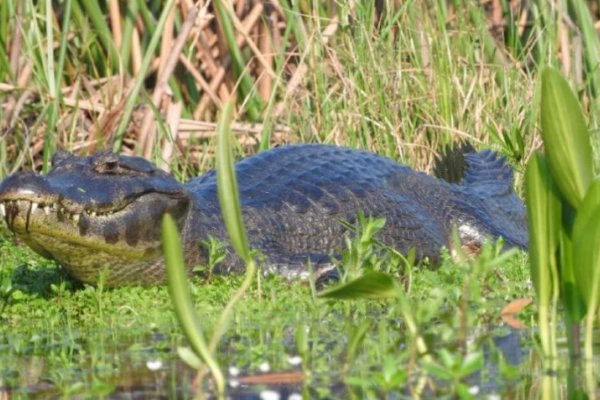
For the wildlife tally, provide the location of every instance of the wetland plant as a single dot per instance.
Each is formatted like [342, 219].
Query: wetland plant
[177, 278]
[563, 201]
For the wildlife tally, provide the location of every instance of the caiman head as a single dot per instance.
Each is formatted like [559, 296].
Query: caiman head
[95, 213]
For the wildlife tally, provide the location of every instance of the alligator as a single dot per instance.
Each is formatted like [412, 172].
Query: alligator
[104, 211]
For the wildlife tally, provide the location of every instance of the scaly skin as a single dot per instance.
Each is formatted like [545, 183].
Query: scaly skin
[103, 212]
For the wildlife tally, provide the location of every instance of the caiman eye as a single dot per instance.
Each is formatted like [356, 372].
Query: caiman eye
[107, 163]
[110, 163]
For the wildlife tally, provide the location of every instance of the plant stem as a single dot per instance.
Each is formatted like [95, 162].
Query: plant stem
[589, 353]
[223, 321]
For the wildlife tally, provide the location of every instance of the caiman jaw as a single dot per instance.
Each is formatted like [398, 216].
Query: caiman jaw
[124, 241]
[10, 209]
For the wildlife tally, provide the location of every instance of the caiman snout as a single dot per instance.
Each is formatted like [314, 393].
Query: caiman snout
[25, 185]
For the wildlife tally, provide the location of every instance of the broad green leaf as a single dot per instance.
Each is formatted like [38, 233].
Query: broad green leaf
[227, 186]
[544, 217]
[372, 285]
[589, 206]
[566, 137]
[586, 252]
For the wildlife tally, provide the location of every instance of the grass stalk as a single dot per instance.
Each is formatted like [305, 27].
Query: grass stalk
[246, 84]
[133, 96]
[592, 51]
[128, 25]
[232, 216]
[50, 77]
[94, 12]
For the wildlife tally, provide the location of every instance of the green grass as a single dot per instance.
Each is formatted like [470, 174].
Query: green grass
[86, 338]
[419, 78]
[402, 85]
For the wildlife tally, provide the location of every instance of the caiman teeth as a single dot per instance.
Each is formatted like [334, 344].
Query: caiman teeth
[49, 208]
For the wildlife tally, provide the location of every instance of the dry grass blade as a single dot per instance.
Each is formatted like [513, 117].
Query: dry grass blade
[171, 53]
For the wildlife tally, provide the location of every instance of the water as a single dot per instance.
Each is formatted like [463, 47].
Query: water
[149, 368]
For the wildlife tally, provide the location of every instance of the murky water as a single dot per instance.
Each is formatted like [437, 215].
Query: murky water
[151, 369]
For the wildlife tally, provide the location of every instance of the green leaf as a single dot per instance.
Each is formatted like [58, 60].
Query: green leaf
[471, 363]
[570, 296]
[438, 371]
[586, 252]
[544, 217]
[179, 292]
[372, 285]
[227, 186]
[356, 337]
[566, 137]
[588, 207]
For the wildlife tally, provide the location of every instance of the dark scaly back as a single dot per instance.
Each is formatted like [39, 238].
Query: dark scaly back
[451, 165]
[462, 164]
[293, 199]
[489, 170]
[485, 198]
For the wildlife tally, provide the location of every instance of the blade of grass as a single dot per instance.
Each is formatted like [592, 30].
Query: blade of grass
[182, 300]
[592, 51]
[130, 16]
[133, 95]
[94, 12]
[50, 72]
[227, 186]
[232, 216]
[239, 65]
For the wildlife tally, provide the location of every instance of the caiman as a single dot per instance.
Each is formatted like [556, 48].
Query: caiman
[103, 212]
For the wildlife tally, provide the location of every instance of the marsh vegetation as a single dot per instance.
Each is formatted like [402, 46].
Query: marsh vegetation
[402, 80]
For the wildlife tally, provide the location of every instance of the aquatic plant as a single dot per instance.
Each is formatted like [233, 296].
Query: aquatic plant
[563, 202]
[177, 278]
